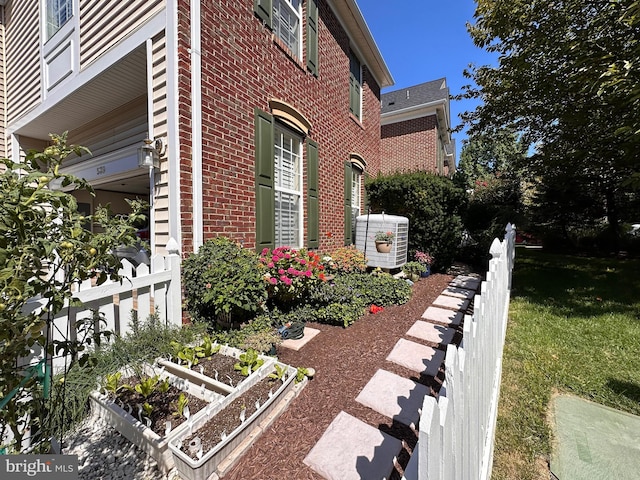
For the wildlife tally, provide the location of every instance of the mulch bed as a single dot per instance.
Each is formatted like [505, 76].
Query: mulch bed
[345, 360]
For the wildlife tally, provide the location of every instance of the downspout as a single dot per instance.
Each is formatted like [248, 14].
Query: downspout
[173, 134]
[151, 136]
[196, 124]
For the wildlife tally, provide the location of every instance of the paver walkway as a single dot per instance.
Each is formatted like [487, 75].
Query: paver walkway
[352, 449]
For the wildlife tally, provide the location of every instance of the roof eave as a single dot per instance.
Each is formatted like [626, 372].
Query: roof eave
[351, 17]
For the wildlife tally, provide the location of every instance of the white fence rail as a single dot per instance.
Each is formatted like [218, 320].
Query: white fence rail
[457, 430]
[145, 289]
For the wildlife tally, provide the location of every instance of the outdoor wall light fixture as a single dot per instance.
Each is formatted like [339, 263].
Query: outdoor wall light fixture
[150, 152]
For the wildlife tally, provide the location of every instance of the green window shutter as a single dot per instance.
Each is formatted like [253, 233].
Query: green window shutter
[354, 85]
[313, 213]
[312, 37]
[347, 204]
[263, 9]
[265, 194]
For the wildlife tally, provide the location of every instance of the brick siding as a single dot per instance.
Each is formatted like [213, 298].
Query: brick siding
[410, 145]
[243, 66]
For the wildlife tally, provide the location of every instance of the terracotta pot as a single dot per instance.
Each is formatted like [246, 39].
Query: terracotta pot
[383, 247]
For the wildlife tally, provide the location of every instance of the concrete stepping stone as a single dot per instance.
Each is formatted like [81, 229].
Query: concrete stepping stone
[350, 449]
[296, 345]
[419, 358]
[432, 333]
[442, 315]
[451, 302]
[394, 396]
[459, 292]
[465, 281]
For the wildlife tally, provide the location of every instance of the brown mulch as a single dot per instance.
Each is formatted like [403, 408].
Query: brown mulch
[345, 360]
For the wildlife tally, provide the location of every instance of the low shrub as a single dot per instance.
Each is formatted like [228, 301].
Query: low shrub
[345, 260]
[259, 334]
[222, 281]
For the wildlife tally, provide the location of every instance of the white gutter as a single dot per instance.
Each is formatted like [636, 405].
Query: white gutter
[173, 138]
[196, 124]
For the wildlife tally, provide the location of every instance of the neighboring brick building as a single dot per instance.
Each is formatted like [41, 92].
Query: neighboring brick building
[415, 129]
[266, 112]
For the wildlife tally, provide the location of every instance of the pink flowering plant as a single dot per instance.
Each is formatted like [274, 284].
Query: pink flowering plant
[424, 258]
[289, 273]
[385, 236]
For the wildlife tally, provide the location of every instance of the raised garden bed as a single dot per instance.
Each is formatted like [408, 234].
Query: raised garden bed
[216, 373]
[151, 433]
[221, 430]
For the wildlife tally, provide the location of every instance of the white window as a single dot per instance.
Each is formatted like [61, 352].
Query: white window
[356, 189]
[288, 188]
[287, 18]
[58, 13]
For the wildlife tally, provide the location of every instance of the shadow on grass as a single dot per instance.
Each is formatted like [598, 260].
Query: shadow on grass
[628, 389]
[577, 286]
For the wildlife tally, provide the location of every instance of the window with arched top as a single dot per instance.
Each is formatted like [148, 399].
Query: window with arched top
[354, 170]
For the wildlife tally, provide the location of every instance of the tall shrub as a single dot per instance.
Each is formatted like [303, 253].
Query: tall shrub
[222, 281]
[433, 205]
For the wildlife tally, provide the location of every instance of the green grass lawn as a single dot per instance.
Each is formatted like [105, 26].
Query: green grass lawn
[574, 326]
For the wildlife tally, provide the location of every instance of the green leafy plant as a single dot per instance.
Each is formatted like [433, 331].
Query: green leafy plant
[146, 386]
[111, 383]
[147, 408]
[164, 385]
[301, 373]
[279, 372]
[46, 263]
[209, 349]
[249, 362]
[221, 280]
[190, 355]
[413, 268]
[180, 404]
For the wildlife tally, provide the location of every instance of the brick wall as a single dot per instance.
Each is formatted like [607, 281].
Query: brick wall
[243, 66]
[410, 145]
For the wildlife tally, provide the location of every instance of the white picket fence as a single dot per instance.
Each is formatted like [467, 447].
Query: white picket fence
[457, 429]
[146, 289]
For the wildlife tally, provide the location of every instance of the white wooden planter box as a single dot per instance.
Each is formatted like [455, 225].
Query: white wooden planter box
[137, 432]
[211, 384]
[191, 469]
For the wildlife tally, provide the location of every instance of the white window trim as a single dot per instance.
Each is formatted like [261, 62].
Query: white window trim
[47, 34]
[356, 188]
[280, 130]
[298, 13]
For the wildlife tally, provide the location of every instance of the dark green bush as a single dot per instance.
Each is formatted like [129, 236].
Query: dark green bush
[433, 205]
[222, 281]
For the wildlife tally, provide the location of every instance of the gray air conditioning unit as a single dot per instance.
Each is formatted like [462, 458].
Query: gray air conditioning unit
[366, 228]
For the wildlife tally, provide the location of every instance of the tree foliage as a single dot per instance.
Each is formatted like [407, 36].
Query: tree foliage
[45, 248]
[568, 81]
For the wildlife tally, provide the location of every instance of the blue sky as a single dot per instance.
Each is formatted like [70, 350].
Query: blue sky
[423, 40]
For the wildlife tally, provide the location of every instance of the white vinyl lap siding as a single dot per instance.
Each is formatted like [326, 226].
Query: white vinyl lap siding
[161, 210]
[22, 40]
[103, 23]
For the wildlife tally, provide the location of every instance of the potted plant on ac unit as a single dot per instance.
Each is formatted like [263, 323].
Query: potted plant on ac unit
[413, 270]
[384, 240]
